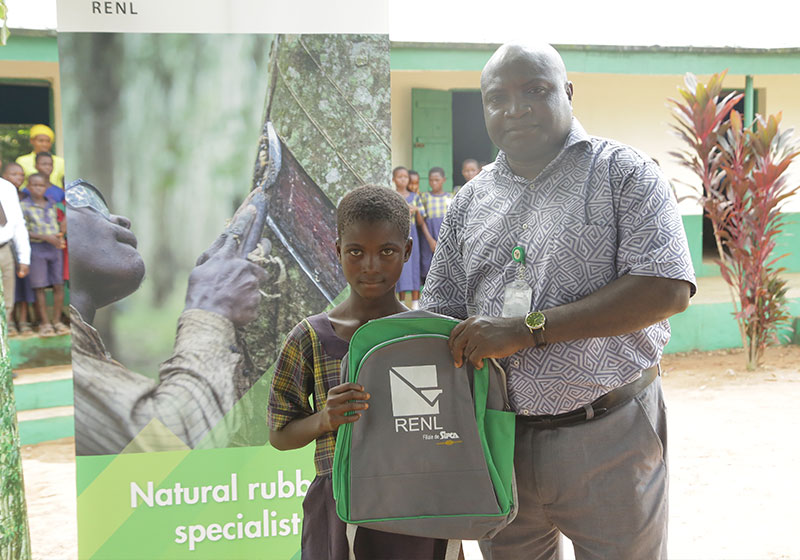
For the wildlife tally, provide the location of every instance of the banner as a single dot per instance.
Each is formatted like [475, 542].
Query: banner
[199, 152]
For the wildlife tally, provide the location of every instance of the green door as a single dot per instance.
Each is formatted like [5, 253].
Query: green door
[432, 134]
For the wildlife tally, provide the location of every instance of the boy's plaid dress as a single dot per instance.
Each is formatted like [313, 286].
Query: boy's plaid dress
[306, 367]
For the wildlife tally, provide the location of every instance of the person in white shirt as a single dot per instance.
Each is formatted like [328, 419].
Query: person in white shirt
[12, 228]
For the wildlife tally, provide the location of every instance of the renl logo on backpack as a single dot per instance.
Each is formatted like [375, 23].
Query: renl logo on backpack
[433, 455]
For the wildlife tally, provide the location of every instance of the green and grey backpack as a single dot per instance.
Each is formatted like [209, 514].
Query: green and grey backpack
[433, 456]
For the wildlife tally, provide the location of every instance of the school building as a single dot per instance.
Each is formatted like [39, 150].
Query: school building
[621, 92]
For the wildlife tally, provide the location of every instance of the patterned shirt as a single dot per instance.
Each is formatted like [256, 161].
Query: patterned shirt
[436, 206]
[41, 220]
[309, 364]
[598, 211]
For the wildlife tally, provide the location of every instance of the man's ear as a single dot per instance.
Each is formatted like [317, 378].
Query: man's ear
[569, 89]
[409, 246]
[338, 250]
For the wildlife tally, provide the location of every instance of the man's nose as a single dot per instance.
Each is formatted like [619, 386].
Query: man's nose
[121, 220]
[517, 107]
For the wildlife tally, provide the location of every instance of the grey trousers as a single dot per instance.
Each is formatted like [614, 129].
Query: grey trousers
[602, 483]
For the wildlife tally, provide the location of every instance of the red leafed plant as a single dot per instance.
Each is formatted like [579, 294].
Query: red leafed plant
[742, 173]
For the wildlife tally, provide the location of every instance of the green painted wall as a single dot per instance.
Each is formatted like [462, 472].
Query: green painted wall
[613, 60]
[30, 48]
[711, 327]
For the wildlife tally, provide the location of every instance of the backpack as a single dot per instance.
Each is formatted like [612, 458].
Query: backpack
[433, 456]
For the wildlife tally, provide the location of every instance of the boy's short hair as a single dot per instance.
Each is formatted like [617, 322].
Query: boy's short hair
[438, 170]
[470, 160]
[41, 155]
[413, 172]
[8, 166]
[398, 168]
[42, 176]
[371, 204]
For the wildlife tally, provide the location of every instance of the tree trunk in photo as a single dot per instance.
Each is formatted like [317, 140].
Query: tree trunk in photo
[329, 103]
[14, 535]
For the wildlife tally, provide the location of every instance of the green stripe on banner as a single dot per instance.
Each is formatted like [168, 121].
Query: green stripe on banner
[245, 502]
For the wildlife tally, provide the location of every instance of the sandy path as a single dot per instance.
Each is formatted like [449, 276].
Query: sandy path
[734, 459]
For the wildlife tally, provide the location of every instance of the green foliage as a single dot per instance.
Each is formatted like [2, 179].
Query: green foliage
[4, 32]
[743, 185]
[14, 141]
[14, 538]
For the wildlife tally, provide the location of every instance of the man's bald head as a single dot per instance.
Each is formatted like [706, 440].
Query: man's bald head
[542, 54]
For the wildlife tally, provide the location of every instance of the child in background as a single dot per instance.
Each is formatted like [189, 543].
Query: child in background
[410, 280]
[413, 181]
[436, 202]
[44, 165]
[470, 168]
[373, 245]
[46, 253]
[14, 174]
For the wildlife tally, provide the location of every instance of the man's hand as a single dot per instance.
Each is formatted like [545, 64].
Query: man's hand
[23, 270]
[227, 283]
[488, 337]
[344, 398]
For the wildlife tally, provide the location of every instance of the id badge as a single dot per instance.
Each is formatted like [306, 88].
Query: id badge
[517, 299]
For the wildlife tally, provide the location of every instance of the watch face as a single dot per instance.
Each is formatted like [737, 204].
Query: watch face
[535, 320]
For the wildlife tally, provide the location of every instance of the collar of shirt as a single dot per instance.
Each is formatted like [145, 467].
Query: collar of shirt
[577, 136]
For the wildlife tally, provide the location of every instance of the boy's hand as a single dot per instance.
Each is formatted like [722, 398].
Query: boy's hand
[344, 398]
[54, 240]
[22, 270]
[432, 244]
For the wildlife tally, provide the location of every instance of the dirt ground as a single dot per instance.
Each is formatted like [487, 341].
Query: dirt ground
[734, 454]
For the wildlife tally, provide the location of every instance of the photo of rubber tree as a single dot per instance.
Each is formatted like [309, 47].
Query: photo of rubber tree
[204, 173]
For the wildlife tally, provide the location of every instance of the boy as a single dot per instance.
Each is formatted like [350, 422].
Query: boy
[436, 202]
[44, 165]
[46, 255]
[373, 245]
[14, 174]
[469, 169]
[413, 181]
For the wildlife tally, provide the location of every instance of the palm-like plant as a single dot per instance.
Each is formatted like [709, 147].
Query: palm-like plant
[742, 170]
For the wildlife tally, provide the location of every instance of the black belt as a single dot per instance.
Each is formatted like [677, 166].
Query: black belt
[597, 408]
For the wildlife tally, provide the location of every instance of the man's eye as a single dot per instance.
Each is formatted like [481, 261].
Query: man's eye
[388, 252]
[355, 252]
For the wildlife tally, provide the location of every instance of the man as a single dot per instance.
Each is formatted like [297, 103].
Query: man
[566, 256]
[114, 405]
[12, 229]
[41, 139]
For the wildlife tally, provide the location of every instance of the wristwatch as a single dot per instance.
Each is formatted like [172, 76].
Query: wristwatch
[535, 321]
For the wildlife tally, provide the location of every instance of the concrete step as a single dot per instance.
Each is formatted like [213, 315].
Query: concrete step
[44, 403]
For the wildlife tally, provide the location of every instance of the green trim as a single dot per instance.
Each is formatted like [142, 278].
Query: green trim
[611, 60]
[46, 429]
[40, 351]
[30, 49]
[43, 394]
